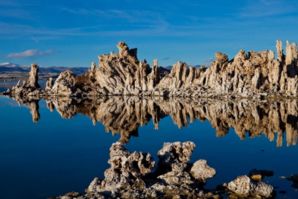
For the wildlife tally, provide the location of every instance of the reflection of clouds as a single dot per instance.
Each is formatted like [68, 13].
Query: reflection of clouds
[267, 8]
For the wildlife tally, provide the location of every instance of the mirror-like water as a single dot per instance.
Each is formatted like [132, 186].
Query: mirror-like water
[52, 147]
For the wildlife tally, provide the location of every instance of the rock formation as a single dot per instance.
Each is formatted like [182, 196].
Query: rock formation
[28, 88]
[249, 74]
[246, 187]
[131, 175]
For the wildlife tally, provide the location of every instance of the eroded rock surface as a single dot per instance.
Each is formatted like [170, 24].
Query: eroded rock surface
[131, 175]
[245, 187]
[28, 88]
[201, 171]
[249, 74]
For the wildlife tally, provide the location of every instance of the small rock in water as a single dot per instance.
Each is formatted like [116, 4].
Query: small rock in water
[202, 171]
[243, 186]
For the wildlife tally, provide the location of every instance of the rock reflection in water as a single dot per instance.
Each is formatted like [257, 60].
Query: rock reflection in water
[124, 115]
[32, 104]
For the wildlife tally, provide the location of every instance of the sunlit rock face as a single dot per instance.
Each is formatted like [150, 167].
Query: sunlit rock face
[132, 175]
[248, 75]
[28, 88]
[245, 187]
[135, 175]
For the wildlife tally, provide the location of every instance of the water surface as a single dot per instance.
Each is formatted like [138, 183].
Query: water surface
[52, 147]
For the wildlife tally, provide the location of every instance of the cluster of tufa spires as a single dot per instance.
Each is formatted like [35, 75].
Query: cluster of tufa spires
[249, 74]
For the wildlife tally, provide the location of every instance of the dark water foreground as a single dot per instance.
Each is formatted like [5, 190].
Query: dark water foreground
[56, 146]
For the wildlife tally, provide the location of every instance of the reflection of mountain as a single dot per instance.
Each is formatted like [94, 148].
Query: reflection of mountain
[248, 118]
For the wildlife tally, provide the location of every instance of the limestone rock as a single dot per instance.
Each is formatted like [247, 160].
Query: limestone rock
[29, 87]
[279, 50]
[130, 176]
[49, 84]
[221, 57]
[249, 74]
[201, 171]
[243, 186]
[64, 84]
[33, 76]
[172, 154]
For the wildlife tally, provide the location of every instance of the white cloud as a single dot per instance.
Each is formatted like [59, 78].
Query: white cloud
[30, 53]
[267, 8]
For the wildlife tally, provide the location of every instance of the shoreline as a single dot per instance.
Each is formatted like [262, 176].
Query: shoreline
[248, 75]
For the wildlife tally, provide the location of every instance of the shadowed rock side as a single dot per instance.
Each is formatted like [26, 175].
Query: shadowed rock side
[249, 74]
[135, 175]
[124, 115]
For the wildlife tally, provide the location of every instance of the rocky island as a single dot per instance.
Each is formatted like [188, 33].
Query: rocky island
[136, 175]
[124, 93]
[248, 75]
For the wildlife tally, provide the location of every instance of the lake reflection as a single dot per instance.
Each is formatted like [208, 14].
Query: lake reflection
[125, 115]
[52, 156]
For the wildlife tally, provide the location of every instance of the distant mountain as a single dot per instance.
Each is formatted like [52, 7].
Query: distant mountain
[59, 69]
[8, 65]
[11, 67]
[16, 68]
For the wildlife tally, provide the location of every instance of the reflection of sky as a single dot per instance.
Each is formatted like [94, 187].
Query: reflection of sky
[73, 33]
[56, 155]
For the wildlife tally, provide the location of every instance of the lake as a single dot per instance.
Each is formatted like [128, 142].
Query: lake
[52, 147]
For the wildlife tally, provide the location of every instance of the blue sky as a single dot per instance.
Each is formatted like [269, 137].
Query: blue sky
[75, 32]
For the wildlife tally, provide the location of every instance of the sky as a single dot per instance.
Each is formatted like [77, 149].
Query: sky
[74, 32]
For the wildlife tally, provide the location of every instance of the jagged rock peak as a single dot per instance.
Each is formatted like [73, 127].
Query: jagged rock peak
[33, 76]
[221, 57]
[250, 74]
[124, 50]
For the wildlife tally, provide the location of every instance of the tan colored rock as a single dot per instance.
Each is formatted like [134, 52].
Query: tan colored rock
[221, 57]
[256, 177]
[28, 88]
[202, 171]
[33, 76]
[248, 75]
[49, 84]
[279, 50]
[64, 84]
[291, 53]
[244, 187]
[126, 179]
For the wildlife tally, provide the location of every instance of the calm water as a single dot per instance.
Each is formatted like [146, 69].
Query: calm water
[47, 152]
